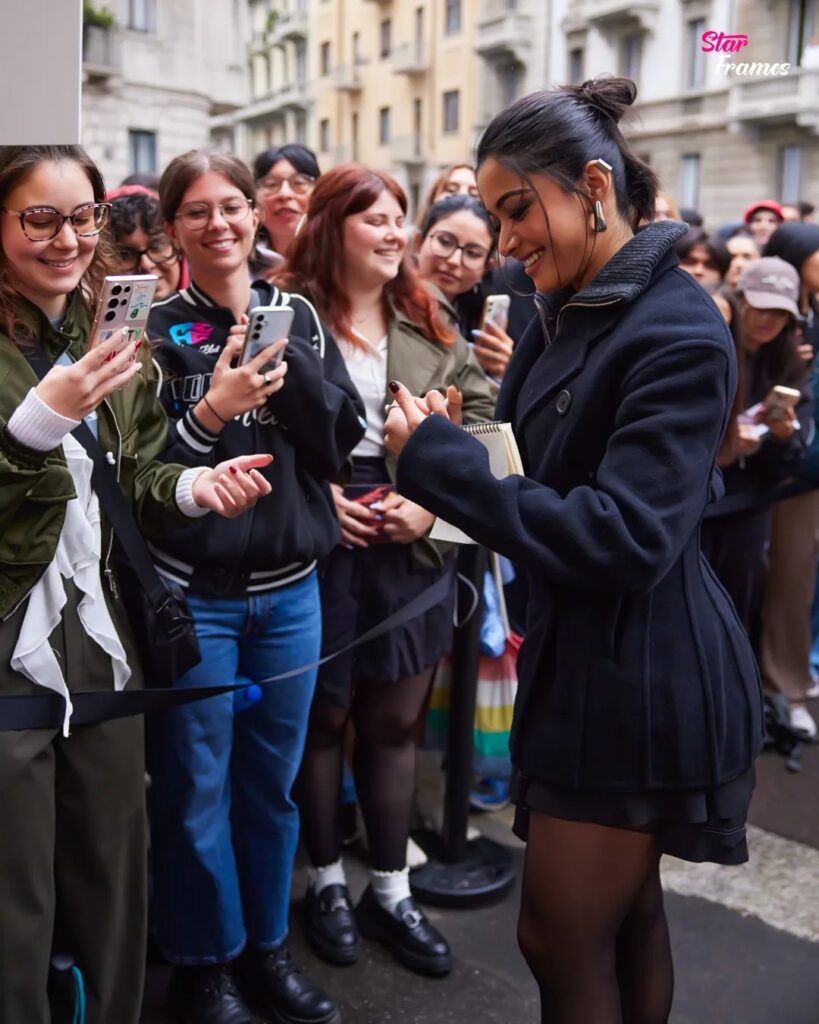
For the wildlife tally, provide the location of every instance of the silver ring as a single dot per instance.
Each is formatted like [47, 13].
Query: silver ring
[266, 378]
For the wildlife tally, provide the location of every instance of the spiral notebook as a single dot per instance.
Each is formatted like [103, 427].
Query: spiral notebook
[504, 460]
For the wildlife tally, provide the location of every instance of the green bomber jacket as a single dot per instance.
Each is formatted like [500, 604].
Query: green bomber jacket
[36, 486]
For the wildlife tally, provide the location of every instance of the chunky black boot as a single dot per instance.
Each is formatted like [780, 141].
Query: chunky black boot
[206, 995]
[277, 989]
[407, 934]
[331, 926]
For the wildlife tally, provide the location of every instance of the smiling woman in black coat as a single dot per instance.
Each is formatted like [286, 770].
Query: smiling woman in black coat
[639, 711]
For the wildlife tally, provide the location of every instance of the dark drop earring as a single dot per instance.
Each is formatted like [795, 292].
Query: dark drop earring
[600, 224]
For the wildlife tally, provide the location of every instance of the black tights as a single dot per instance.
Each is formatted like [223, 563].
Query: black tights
[384, 716]
[592, 925]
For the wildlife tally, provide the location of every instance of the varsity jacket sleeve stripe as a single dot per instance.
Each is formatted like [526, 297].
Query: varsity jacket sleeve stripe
[191, 432]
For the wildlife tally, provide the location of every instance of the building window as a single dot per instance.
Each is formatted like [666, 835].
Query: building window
[690, 181]
[576, 64]
[141, 152]
[354, 135]
[451, 110]
[417, 125]
[357, 48]
[324, 59]
[384, 125]
[452, 22]
[301, 64]
[631, 56]
[386, 38]
[301, 128]
[324, 135]
[695, 58]
[142, 15]
[509, 78]
[800, 18]
[790, 174]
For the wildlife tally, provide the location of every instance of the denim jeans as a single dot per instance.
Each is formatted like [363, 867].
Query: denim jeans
[224, 827]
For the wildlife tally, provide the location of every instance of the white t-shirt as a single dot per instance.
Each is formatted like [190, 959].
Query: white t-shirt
[367, 367]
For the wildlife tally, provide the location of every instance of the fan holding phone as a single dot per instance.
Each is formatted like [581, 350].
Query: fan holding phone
[244, 365]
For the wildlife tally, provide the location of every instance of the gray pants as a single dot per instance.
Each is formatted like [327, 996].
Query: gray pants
[72, 848]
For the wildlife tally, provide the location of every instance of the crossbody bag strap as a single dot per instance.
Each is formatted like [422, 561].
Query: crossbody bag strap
[113, 501]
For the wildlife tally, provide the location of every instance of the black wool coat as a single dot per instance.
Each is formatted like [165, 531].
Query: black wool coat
[635, 673]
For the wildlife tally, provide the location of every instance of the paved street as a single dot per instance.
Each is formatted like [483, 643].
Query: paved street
[746, 940]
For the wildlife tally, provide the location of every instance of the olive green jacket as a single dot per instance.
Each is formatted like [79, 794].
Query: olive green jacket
[422, 366]
[36, 486]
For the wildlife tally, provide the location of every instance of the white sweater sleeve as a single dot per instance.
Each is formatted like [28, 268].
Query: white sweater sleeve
[36, 425]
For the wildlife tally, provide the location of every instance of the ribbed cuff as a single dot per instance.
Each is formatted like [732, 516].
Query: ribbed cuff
[184, 496]
[194, 435]
[36, 425]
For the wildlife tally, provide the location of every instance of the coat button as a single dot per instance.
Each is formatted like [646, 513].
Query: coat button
[564, 400]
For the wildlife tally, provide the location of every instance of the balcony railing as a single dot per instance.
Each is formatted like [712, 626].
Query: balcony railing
[101, 56]
[291, 25]
[780, 99]
[610, 13]
[410, 59]
[347, 77]
[407, 150]
[504, 33]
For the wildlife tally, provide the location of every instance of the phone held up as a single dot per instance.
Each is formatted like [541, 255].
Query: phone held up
[495, 311]
[126, 302]
[266, 325]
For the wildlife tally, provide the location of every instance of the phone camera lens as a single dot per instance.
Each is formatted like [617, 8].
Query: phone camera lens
[256, 335]
[123, 302]
[127, 288]
[116, 289]
[111, 315]
[113, 303]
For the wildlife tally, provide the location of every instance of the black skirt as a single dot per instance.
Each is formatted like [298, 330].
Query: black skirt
[694, 824]
[360, 588]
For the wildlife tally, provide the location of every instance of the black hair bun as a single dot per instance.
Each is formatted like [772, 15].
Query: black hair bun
[608, 95]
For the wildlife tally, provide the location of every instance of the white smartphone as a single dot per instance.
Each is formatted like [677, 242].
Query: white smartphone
[267, 324]
[496, 311]
[780, 400]
[125, 302]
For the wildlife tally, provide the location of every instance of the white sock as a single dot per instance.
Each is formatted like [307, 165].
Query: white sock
[330, 874]
[390, 887]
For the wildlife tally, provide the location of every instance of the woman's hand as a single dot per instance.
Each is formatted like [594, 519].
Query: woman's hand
[493, 350]
[359, 524]
[407, 413]
[233, 486]
[75, 391]
[404, 521]
[239, 389]
[780, 422]
[805, 352]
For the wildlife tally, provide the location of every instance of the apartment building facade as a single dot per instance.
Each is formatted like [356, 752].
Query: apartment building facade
[155, 75]
[719, 138]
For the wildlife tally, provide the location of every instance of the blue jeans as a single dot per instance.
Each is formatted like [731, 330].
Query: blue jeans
[224, 826]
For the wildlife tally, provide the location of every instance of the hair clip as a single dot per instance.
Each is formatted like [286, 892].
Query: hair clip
[601, 163]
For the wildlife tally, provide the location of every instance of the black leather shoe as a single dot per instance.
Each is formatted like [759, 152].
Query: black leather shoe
[277, 989]
[407, 934]
[330, 924]
[206, 995]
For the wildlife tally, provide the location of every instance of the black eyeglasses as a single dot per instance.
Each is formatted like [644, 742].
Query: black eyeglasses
[160, 250]
[42, 223]
[444, 245]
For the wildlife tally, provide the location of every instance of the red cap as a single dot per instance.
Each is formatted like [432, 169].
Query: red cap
[129, 190]
[763, 204]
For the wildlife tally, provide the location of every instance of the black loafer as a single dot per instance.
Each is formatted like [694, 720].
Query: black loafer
[330, 925]
[407, 934]
[273, 985]
[206, 995]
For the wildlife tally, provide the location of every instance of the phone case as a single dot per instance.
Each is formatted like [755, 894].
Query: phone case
[496, 311]
[267, 324]
[126, 302]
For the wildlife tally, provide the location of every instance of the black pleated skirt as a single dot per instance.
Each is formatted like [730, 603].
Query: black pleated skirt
[694, 824]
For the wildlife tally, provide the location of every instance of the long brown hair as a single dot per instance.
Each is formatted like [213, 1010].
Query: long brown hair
[432, 196]
[16, 164]
[183, 171]
[314, 264]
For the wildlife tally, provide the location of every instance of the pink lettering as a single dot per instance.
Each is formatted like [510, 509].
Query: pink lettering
[722, 42]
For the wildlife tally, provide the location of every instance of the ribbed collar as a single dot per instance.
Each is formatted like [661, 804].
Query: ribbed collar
[627, 273]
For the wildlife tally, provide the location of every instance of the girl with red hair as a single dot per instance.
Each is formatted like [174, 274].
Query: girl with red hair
[350, 260]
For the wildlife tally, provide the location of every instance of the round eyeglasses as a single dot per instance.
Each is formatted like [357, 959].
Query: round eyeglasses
[444, 245]
[160, 250]
[42, 223]
[300, 184]
[197, 216]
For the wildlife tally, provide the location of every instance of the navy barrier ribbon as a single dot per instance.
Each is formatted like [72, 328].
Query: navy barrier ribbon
[46, 710]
